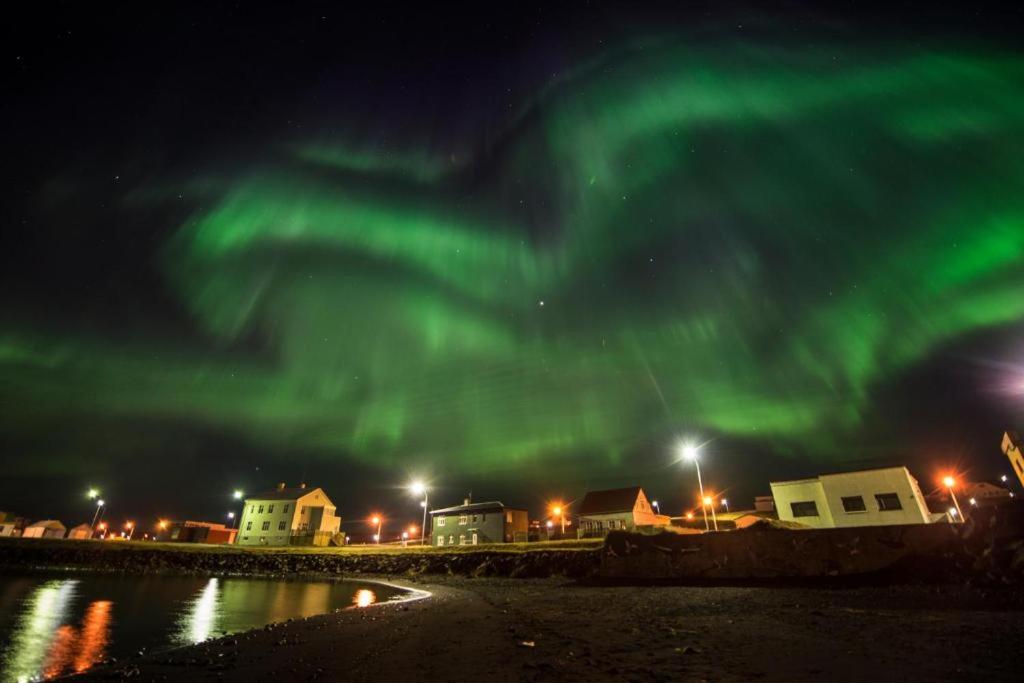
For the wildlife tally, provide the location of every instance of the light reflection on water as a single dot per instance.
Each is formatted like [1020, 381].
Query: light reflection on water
[55, 627]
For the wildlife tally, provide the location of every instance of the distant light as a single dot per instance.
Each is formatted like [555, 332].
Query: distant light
[949, 482]
[550, 524]
[423, 503]
[557, 510]
[952, 512]
[405, 534]
[654, 503]
[129, 525]
[412, 529]
[375, 519]
[162, 524]
[231, 515]
[100, 503]
[974, 502]
[238, 494]
[689, 515]
[707, 500]
[376, 537]
[725, 501]
[93, 492]
[1003, 478]
[417, 488]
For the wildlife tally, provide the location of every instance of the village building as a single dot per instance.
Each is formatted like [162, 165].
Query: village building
[866, 498]
[627, 509]
[196, 532]
[475, 523]
[10, 525]
[969, 494]
[47, 528]
[290, 516]
[1013, 448]
[81, 532]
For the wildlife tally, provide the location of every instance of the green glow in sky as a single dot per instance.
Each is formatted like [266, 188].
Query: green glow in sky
[746, 241]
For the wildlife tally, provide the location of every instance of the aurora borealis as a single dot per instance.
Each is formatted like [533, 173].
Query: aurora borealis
[691, 230]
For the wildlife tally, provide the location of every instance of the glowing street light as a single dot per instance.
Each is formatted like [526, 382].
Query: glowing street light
[654, 504]
[725, 503]
[950, 482]
[99, 506]
[130, 526]
[231, 519]
[237, 495]
[418, 488]
[690, 453]
[689, 516]
[379, 521]
[709, 502]
[559, 512]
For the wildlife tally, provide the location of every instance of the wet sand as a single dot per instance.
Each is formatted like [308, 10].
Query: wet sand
[554, 629]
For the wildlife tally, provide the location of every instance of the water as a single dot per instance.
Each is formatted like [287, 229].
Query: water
[55, 624]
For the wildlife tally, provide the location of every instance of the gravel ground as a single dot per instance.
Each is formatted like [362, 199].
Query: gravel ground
[553, 629]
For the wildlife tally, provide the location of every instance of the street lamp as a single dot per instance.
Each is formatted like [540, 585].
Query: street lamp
[950, 482]
[709, 502]
[654, 504]
[725, 502]
[418, 488]
[231, 517]
[130, 526]
[557, 511]
[96, 515]
[690, 453]
[379, 521]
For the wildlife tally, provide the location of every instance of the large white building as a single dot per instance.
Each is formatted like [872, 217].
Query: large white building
[289, 516]
[867, 498]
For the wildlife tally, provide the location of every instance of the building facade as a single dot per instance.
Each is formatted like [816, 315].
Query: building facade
[289, 516]
[47, 528]
[476, 523]
[81, 532]
[197, 532]
[626, 509]
[1014, 452]
[867, 498]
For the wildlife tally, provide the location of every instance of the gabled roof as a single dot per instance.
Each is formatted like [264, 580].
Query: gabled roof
[48, 523]
[472, 507]
[611, 500]
[289, 493]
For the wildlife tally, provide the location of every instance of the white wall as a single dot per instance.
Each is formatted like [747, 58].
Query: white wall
[827, 491]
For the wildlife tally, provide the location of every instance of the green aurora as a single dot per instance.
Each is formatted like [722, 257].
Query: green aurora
[744, 241]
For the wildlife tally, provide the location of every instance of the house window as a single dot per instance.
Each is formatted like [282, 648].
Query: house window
[261, 509]
[270, 509]
[440, 540]
[248, 526]
[266, 526]
[508, 517]
[245, 538]
[474, 518]
[806, 508]
[463, 519]
[440, 521]
[285, 510]
[451, 539]
[462, 539]
[280, 526]
[252, 509]
[854, 504]
[888, 501]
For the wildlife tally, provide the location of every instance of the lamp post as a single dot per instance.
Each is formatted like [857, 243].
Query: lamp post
[654, 504]
[419, 488]
[379, 521]
[99, 506]
[130, 526]
[690, 453]
[238, 495]
[231, 519]
[950, 482]
[560, 513]
[725, 502]
[709, 502]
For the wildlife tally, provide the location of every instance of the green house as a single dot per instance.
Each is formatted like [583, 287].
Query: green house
[476, 523]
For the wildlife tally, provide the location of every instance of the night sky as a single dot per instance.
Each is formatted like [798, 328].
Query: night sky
[519, 251]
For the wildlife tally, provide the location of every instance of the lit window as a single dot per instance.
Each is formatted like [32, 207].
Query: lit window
[804, 509]
[440, 521]
[888, 501]
[854, 504]
[463, 519]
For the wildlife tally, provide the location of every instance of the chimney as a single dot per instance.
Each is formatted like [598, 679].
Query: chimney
[468, 499]
[280, 486]
[302, 485]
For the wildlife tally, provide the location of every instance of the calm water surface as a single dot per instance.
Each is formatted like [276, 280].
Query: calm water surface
[57, 624]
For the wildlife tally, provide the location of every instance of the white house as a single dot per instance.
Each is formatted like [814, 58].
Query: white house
[47, 528]
[288, 516]
[867, 498]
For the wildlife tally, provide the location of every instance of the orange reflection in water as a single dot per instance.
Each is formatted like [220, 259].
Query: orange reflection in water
[364, 598]
[79, 649]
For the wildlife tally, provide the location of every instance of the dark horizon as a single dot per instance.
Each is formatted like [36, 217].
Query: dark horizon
[521, 252]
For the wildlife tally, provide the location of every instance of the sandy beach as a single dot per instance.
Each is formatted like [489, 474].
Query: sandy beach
[556, 629]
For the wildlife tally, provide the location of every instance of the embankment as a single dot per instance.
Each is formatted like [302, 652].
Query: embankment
[136, 558]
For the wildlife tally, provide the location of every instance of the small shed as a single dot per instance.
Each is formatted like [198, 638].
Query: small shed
[81, 532]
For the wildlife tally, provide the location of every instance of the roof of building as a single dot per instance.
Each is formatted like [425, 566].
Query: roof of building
[473, 507]
[611, 500]
[839, 474]
[48, 523]
[287, 493]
